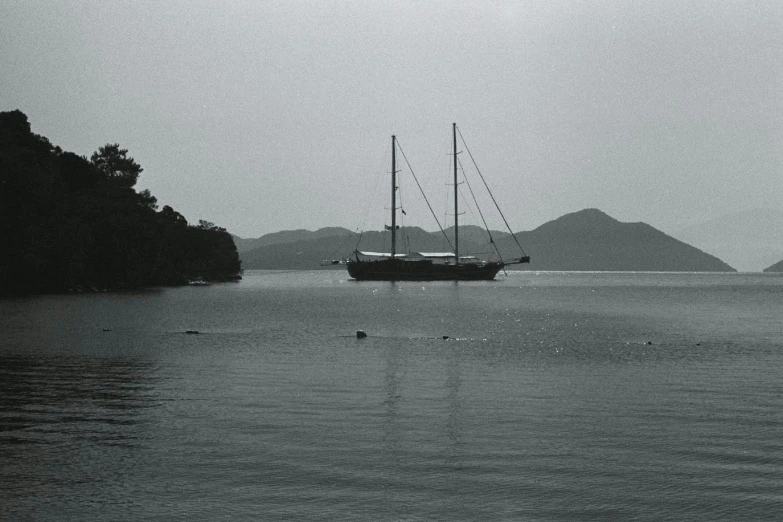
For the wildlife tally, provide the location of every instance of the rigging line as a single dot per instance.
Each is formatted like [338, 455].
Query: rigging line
[491, 241]
[475, 201]
[341, 244]
[447, 146]
[490, 192]
[371, 203]
[466, 204]
[447, 199]
[406, 239]
[423, 195]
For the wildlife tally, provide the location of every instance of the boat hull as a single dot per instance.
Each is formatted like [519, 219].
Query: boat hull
[398, 270]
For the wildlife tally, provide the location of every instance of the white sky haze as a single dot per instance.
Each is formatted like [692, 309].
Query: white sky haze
[263, 116]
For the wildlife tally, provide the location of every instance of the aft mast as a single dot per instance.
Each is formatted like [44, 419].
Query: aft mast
[394, 199]
[456, 191]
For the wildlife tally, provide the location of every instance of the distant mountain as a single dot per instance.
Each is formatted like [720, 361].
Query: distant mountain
[471, 235]
[297, 255]
[288, 236]
[777, 267]
[591, 240]
[316, 247]
[748, 240]
[581, 241]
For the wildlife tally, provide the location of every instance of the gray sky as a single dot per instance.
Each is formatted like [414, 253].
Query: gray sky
[263, 116]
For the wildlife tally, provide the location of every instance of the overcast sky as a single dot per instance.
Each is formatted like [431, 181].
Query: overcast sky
[263, 116]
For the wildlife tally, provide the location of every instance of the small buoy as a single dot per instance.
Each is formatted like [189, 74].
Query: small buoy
[361, 334]
[445, 336]
[191, 331]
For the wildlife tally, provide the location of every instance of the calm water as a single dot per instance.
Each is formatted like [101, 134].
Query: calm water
[557, 396]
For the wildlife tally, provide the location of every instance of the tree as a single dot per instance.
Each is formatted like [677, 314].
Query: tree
[146, 199]
[115, 165]
[208, 225]
[170, 215]
[77, 172]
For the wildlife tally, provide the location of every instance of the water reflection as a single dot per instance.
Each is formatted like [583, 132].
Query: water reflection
[63, 399]
[540, 394]
[391, 427]
[453, 383]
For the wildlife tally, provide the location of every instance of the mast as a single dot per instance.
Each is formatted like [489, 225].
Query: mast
[456, 209]
[394, 199]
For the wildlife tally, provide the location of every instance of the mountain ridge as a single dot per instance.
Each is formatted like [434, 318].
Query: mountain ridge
[288, 236]
[749, 240]
[777, 267]
[588, 240]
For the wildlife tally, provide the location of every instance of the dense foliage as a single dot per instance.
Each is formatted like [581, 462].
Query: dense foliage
[67, 222]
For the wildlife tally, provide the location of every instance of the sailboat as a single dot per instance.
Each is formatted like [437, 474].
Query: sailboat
[425, 266]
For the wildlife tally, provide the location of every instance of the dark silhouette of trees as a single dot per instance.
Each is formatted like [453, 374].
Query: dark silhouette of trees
[67, 222]
[115, 165]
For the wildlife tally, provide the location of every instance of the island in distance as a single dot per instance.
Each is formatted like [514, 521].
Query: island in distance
[777, 267]
[588, 240]
[750, 240]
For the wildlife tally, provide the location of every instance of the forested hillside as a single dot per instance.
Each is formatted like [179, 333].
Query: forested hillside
[72, 223]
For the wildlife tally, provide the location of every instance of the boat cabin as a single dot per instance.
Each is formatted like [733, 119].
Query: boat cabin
[436, 258]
